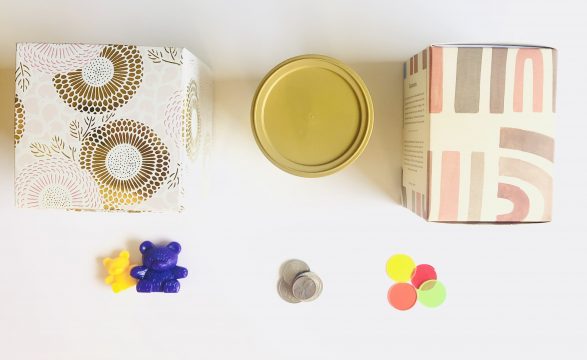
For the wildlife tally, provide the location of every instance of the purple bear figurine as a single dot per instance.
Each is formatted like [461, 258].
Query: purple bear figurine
[159, 272]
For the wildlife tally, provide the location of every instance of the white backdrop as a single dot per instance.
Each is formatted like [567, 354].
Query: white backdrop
[513, 291]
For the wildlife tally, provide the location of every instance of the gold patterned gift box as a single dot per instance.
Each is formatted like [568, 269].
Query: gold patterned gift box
[109, 127]
[478, 142]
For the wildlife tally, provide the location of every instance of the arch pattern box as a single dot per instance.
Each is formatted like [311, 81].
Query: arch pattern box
[109, 127]
[478, 135]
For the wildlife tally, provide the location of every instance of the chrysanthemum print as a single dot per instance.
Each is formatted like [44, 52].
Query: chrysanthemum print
[182, 118]
[190, 119]
[128, 161]
[103, 84]
[57, 58]
[56, 182]
[174, 117]
[109, 127]
[19, 120]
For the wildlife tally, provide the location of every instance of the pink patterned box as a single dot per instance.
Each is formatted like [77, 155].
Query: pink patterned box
[478, 136]
[109, 127]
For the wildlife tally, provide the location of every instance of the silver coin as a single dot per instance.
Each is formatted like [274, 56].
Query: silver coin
[307, 286]
[284, 291]
[291, 269]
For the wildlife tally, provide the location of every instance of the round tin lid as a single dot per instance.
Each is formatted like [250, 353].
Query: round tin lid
[312, 115]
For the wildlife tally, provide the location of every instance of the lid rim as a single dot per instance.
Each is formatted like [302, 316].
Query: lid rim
[356, 147]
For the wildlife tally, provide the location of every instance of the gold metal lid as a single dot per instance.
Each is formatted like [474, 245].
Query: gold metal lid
[312, 115]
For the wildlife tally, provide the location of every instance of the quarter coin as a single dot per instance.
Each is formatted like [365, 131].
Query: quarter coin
[291, 269]
[307, 286]
[284, 291]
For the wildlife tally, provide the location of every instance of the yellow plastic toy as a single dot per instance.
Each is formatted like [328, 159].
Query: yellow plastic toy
[119, 272]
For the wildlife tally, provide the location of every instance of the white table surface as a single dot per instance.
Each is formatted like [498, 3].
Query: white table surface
[513, 291]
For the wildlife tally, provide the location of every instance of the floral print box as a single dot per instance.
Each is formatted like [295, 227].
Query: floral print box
[109, 127]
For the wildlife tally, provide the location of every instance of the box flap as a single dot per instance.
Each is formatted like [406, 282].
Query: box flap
[482, 45]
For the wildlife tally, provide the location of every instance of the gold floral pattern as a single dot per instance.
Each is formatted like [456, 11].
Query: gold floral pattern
[128, 161]
[56, 183]
[22, 77]
[169, 55]
[105, 83]
[117, 128]
[173, 118]
[57, 58]
[19, 120]
[182, 120]
[191, 120]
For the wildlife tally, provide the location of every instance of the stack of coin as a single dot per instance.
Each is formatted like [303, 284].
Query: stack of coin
[297, 283]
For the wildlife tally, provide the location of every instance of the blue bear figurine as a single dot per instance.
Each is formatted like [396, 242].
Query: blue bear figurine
[159, 272]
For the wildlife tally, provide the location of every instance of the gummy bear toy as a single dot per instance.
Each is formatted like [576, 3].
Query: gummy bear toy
[118, 272]
[159, 272]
